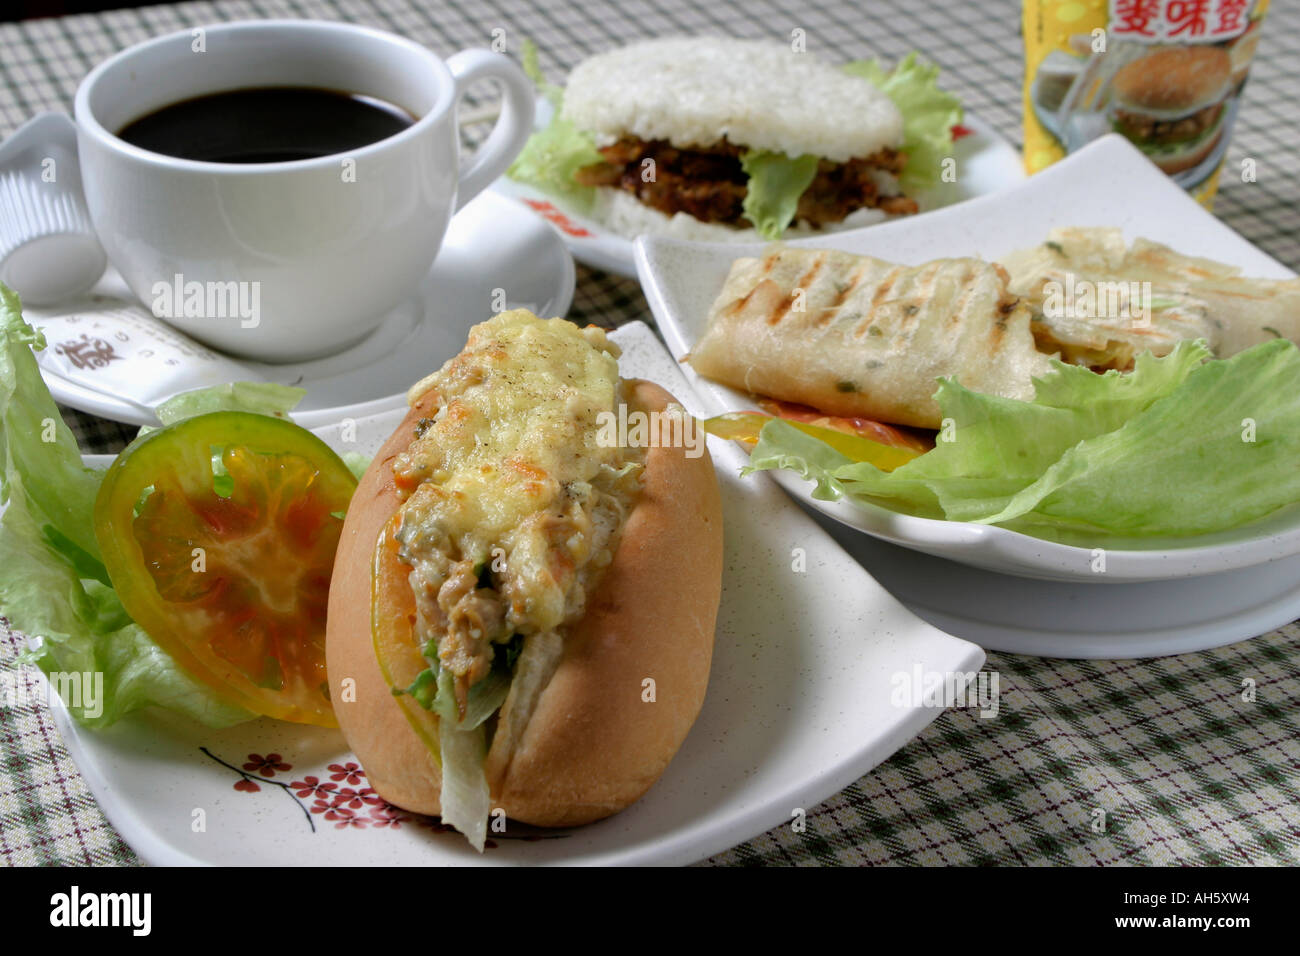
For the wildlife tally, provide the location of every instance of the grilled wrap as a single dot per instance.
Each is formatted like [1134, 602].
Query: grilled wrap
[1187, 298]
[857, 336]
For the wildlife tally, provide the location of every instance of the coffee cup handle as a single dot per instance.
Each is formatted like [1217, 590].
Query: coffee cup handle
[513, 126]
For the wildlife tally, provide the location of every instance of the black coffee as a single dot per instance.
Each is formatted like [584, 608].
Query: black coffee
[273, 124]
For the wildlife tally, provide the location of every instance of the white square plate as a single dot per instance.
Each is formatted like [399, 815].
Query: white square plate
[1107, 183]
[798, 706]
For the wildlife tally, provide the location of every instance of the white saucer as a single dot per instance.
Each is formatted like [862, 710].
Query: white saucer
[489, 246]
[1084, 619]
[986, 163]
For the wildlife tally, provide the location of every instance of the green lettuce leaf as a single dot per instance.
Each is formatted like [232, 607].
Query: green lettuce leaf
[929, 114]
[34, 442]
[553, 155]
[465, 797]
[775, 184]
[54, 587]
[462, 743]
[262, 398]
[532, 66]
[466, 802]
[1219, 451]
[434, 689]
[1178, 446]
[1001, 445]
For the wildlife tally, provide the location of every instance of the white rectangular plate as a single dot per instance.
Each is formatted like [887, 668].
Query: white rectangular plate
[798, 706]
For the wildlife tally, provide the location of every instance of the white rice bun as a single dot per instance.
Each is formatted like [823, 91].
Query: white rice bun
[758, 94]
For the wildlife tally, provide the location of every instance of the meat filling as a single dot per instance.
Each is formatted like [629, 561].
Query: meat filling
[552, 561]
[710, 185]
[1145, 129]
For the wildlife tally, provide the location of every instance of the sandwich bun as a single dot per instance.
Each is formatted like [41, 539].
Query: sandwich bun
[592, 745]
[1170, 104]
[1173, 82]
[1242, 52]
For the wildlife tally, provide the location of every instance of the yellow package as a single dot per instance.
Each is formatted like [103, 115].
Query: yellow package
[1166, 74]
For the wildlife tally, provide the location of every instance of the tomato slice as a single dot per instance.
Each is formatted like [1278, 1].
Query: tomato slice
[392, 628]
[745, 427]
[231, 575]
[868, 428]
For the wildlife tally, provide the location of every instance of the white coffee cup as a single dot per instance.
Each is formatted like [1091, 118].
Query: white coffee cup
[320, 249]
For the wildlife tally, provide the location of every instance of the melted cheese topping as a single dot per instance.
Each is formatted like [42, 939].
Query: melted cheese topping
[513, 505]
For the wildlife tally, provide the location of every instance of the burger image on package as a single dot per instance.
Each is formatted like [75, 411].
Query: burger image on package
[1171, 104]
[1242, 52]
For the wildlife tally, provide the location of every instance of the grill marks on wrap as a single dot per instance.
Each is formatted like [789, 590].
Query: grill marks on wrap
[963, 297]
[842, 292]
[898, 290]
[799, 289]
[887, 330]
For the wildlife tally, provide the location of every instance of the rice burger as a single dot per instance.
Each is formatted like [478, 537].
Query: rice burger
[1171, 104]
[724, 134]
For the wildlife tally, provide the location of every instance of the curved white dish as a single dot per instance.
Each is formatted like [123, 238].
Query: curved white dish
[986, 163]
[1079, 619]
[489, 245]
[798, 706]
[1107, 183]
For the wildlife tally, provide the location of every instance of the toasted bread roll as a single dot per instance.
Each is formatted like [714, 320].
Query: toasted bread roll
[587, 744]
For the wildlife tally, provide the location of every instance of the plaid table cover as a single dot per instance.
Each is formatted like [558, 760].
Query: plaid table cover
[1185, 769]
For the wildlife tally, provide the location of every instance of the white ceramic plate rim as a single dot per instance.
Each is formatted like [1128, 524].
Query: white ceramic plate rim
[679, 848]
[1157, 642]
[986, 545]
[78, 396]
[698, 839]
[1079, 620]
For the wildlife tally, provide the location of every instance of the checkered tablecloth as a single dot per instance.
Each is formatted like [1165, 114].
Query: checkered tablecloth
[1185, 769]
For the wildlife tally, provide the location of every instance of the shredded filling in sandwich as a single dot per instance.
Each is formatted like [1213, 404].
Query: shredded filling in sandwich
[512, 509]
[710, 183]
[1141, 127]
